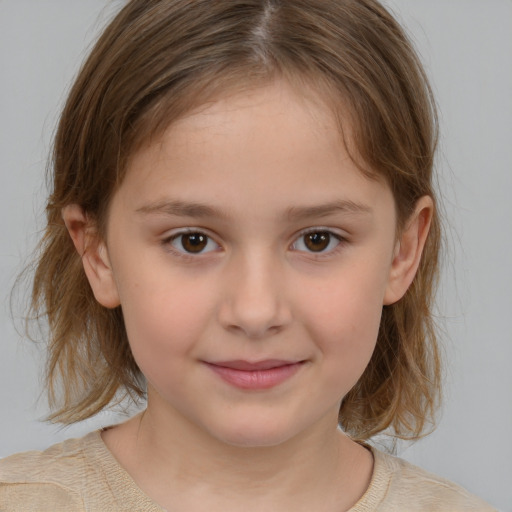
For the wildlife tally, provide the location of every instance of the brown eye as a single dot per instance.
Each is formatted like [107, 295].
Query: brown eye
[321, 241]
[317, 242]
[193, 242]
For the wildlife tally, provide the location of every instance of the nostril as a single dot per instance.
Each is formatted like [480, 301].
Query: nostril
[254, 333]
[254, 300]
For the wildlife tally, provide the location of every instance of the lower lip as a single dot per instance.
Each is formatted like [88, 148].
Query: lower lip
[256, 379]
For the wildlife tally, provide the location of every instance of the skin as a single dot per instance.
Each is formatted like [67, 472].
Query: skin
[266, 168]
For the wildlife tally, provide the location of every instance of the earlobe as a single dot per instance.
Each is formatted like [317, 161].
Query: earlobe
[94, 254]
[408, 250]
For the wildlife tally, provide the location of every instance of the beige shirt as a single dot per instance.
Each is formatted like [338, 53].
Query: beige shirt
[81, 475]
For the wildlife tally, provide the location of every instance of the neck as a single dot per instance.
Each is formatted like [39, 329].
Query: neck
[319, 469]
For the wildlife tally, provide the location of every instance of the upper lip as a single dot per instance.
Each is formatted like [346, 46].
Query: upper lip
[248, 366]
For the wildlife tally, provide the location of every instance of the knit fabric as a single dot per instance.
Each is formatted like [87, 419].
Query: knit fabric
[81, 475]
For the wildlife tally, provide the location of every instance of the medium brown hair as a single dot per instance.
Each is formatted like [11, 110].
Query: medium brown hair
[157, 60]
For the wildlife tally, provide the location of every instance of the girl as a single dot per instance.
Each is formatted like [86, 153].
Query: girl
[242, 228]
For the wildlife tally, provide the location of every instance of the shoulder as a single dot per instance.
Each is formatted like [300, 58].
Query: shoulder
[56, 463]
[45, 480]
[73, 476]
[403, 486]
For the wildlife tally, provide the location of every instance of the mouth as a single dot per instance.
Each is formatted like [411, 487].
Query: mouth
[255, 375]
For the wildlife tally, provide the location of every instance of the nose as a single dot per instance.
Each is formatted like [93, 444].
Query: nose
[254, 302]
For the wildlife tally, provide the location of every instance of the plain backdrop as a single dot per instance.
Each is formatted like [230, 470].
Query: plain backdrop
[466, 46]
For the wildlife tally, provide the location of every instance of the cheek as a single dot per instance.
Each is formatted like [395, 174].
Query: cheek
[348, 302]
[164, 316]
[343, 317]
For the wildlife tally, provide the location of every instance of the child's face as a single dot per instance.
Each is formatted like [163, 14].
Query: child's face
[247, 235]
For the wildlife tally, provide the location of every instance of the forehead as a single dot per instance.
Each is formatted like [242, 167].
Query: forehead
[318, 115]
[253, 115]
[199, 102]
[270, 146]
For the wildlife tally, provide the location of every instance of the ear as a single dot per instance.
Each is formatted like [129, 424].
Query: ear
[408, 250]
[94, 254]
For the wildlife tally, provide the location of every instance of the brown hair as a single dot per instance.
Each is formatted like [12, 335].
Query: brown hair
[156, 61]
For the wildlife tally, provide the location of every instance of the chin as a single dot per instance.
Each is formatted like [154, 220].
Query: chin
[256, 435]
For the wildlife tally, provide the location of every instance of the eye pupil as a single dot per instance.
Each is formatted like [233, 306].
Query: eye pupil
[317, 241]
[194, 242]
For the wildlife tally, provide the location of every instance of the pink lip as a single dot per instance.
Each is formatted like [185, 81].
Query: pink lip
[259, 375]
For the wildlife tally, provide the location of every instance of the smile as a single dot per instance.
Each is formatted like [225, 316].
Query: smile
[261, 375]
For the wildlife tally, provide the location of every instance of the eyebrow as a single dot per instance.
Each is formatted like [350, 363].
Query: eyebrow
[295, 213]
[181, 209]
[345, 206]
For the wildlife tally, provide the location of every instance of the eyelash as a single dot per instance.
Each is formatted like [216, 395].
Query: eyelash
[168, 243]
[341, 241]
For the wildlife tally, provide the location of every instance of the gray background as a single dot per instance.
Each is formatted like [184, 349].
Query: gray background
[467, 48]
